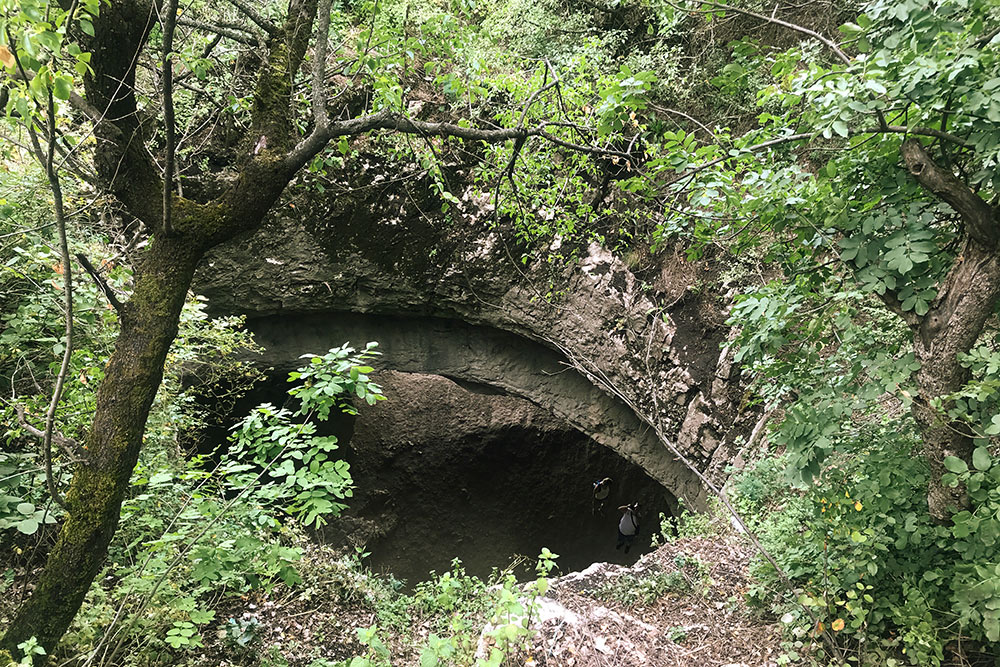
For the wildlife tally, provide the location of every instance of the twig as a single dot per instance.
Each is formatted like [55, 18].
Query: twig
[531, 99]
[101, 283]
[57, 198]
[770, 19]
[755, 435]
[987, 38]
[229, 33]
[48, 161]
[68, 445]
[694, 120]
[254, 16]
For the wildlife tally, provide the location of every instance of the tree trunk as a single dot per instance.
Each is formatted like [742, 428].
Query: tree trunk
[966, 298]
[950, 329]
[149, 324]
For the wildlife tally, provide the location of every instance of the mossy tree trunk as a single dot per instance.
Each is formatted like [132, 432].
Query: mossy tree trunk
[163, 273]
[966, 297]
[164, 269]
[148, 325]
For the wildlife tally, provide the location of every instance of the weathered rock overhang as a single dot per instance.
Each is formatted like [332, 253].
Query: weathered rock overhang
[458, 296]
[480, 355]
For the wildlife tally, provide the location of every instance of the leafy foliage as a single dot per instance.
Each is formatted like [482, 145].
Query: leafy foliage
[42, 47]
[867, 557]
[303, 478]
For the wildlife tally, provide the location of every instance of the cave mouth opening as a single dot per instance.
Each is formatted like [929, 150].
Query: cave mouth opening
[488, 499]
[444, 471]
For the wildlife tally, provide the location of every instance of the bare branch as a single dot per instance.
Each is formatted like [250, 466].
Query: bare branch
[229, 33]
[101, 283]
[534, 96]
[47, 159]
[67, 444]
[801, 136]
[254, 16]
[830, 44]
[169, 22]
[987, 38]
[919, 131]
[590, 150]
[694, 120]
[389, 120]
[60, 215]
[319, 64]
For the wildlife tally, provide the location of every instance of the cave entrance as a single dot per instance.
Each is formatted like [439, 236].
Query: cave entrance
[446, 471]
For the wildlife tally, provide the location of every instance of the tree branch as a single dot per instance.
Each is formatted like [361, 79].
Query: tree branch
[397, 122]
[121, 159]
[770, 19]
[168, 20]
[531, 100]
[101, 283]
[271, 124]
[980, 218]
[987, 38]
[580, 148]
[919, 131]
[67, 444]
[243, 38]
[254, 16]
[48, 161]
[801, 136]
[320, 115]
[60, 215]
[893, 303]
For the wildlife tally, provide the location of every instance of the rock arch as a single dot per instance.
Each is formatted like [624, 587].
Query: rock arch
[483, 357]
[412, 276]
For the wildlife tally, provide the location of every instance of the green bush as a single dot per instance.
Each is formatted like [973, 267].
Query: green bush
[866, 557]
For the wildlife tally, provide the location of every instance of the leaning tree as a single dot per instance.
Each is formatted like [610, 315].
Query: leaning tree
[289, 122]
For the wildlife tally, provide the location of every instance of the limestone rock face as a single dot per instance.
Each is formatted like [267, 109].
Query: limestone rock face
[582, 336]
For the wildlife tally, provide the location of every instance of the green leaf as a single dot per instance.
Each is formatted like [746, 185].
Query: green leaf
[28, 526]
[202, 616]
[160, 478]
[981, 458]
[876, 87]
[955, 464]
[428, 658]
